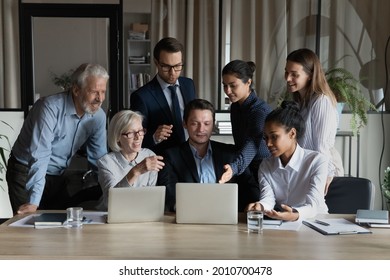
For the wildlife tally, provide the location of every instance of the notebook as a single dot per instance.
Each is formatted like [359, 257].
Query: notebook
[49, 220]
[129, 205]
[372, 216]
[198, 203]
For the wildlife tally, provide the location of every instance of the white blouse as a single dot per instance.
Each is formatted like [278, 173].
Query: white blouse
[300, 184]
[321, 121]
[113, 168]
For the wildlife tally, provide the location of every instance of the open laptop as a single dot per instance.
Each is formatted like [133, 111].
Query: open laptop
[206, 203]
[129, 205]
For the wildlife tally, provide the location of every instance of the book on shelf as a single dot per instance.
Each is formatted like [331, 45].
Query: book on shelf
[372, 216]
[224, 131]
[224, 124]
[224, 127]
[139, 79]
[50, 220]
[134, 35]
[137, 59]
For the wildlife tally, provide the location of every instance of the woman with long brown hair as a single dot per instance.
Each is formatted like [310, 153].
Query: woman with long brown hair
[307, 82]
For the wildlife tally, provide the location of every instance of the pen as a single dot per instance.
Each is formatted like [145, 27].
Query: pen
[321, 223]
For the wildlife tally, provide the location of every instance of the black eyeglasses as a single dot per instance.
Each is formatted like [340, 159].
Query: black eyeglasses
[132, 134]
[167, 68]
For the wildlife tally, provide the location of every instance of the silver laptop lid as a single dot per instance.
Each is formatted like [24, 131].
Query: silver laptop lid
[143, 204]
[206, 203]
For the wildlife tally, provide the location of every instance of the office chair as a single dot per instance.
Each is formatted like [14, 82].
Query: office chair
[348, 194]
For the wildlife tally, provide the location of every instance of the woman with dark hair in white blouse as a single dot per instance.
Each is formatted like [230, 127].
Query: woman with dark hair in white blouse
[292, 181]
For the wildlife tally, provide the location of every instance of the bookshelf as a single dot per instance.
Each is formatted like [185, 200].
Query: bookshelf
[138, 50]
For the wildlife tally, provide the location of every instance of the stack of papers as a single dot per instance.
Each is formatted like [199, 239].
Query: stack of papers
[137, 59]
[134, 35]
[335, 226]
[224, 127]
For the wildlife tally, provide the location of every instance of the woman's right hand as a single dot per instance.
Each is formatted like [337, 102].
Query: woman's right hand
[152, 163]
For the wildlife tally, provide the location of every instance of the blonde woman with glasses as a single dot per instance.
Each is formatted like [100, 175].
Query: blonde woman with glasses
[128, 164]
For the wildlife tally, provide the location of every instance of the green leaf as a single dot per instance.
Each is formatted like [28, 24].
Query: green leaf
[347, 89]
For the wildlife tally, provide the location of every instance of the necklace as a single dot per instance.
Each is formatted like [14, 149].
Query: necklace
[133, 160]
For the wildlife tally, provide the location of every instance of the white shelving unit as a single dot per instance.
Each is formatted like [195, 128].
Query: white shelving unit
[138, 51]
[138, 61]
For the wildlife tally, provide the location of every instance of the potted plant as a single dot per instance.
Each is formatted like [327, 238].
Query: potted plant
[386, 187]
[63, 81]
[347, 90]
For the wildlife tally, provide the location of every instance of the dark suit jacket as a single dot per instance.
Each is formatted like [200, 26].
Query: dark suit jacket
[180, 166]
[150, 101]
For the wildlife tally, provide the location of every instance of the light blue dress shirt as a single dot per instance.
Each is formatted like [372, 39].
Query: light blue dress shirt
[205, 165]
[167, 94]
[52, 134]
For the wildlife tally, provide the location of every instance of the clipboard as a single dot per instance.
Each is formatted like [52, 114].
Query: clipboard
[335, 227]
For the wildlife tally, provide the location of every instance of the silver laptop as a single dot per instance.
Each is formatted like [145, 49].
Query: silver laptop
[129, 205]
[198, 203]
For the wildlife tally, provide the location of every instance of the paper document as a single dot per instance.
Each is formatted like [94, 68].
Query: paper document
[285, 225]
[90, 218]
[335, 226]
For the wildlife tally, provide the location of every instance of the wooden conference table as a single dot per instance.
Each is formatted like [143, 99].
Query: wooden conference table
[168, 240]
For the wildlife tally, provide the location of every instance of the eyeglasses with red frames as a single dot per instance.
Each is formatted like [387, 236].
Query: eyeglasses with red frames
[132, 134]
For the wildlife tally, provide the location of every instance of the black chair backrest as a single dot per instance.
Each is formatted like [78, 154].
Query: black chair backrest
[348, 194]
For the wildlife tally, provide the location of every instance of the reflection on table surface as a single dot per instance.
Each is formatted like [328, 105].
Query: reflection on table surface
[168, 240]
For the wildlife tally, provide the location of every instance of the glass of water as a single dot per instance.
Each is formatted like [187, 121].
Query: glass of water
[255, 221]
[74, 217]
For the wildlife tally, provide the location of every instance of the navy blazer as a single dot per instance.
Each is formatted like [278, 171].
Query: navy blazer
[150, 101]
[180, 166]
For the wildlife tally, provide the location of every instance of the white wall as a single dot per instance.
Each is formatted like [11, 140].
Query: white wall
[62, 44]
[15, 120]
[371, 145]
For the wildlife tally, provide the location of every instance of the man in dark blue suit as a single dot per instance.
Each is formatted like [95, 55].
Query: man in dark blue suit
[200, 159]
[162, 100]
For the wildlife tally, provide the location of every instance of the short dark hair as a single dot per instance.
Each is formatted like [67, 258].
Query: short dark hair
[289, 116]
[198, 104]
[168, 44]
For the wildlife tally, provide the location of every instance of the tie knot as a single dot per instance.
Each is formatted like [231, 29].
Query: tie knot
[172, 90]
